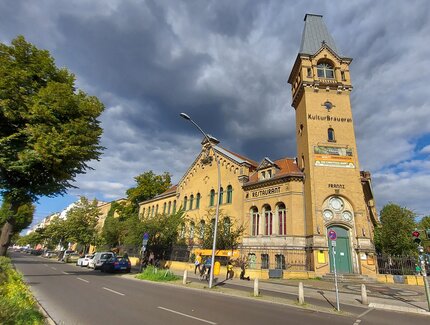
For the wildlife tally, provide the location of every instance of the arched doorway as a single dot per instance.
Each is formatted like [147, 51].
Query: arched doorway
[342, 250]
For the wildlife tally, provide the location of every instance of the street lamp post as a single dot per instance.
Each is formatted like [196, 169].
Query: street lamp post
[185, 116]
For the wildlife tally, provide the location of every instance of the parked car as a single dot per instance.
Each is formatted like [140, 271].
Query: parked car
[37, 252]
[116, 264]
[72, 258]
[99, 258]
[64, 254]
[83, 261]
[50, 254]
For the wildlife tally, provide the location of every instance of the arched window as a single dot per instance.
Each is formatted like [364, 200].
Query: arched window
[174, 206]
[192, 226]
[164, 207]
[255, 221]
[148, 213]
[221, 195]
[198, 201]
[330, 133]
[268, 220]
[152, 211]
[156, 210]
[191, 201]
[325, 70]
[169, 208]
[185, 203]
[143, 212]
[202, 229]
[229, 194]
[226, 225]
[212, 198]
[282, 219]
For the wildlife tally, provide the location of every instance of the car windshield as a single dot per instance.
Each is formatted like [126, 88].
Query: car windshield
[106, 256]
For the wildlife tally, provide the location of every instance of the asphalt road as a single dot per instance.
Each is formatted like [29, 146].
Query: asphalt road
[74, 295]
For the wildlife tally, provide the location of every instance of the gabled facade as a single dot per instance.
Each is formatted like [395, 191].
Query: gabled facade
[289, 205]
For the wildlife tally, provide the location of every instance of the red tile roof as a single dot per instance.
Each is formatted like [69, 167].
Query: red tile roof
[287, 167]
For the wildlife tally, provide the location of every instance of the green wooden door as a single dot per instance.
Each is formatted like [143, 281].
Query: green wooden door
[342, 251]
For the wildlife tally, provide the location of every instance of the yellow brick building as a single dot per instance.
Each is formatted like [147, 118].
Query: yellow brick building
[289, 206]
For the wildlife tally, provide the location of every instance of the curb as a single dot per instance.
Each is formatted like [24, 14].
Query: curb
[45, 314]
[400, 309]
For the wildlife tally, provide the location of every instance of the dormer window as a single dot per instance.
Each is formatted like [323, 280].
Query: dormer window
[269, 174]
[325, 70]
[263, 175]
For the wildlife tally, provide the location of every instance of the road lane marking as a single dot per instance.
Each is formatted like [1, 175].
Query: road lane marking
[46, 265]
[365, 313]
[53, 268]
[65, 272]
[83, 280]
[118, 293]
[185, 315]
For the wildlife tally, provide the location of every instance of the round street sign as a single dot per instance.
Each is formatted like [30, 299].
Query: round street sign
[332, 234]
[416, 234]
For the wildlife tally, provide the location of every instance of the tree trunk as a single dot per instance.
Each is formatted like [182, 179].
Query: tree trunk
[6, 235]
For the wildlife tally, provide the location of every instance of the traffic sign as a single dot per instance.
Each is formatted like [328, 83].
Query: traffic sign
[145, 239]
[416, 233]
[332, 234]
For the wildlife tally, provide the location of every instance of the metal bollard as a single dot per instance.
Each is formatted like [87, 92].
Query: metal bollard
[184, 280]
[364, 300]
[256, 290]
[301, 294]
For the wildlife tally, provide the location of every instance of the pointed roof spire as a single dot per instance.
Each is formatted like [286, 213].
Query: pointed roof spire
[315, 34]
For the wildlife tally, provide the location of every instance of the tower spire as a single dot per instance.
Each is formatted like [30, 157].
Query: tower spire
[315, 34]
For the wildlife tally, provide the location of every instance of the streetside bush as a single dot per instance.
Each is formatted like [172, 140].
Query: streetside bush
[152, 273]
[17, 305]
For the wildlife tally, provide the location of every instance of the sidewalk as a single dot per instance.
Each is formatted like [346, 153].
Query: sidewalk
[397, 297]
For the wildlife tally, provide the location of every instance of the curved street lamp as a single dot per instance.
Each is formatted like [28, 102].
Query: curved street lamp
[185, 116]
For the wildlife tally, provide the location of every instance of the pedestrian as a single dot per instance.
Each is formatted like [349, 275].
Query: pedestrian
[208, 265]
[197, 263]
[242, 273]
[230, 272]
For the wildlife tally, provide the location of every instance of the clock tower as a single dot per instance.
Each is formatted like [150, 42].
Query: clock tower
[327, 151]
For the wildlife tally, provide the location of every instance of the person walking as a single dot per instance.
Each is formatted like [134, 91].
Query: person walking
[208, 264]
[197, 263]
[230, 272]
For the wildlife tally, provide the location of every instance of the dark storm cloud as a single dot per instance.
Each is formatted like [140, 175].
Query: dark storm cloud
[226, 64]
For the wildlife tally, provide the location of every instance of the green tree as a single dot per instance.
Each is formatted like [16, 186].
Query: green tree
[148, 186]
[394, 235]
[49, 130]
[228, 234]
[163, 232]
[81, 222]
[123, 225]
[32, 239]
[56, 232]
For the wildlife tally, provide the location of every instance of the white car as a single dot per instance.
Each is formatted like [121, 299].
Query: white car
[83, 261]
[99, 258]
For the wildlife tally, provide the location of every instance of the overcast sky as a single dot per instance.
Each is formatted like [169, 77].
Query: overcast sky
[226, 64]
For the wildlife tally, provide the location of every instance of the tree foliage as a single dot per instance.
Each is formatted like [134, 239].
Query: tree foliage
[163, 232]
[228, 234]
[148, 185]
[81, 222]
[123, 225]
[49, 130]
[394, 236]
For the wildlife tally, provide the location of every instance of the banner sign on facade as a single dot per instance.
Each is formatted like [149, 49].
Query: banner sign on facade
[333, 157]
